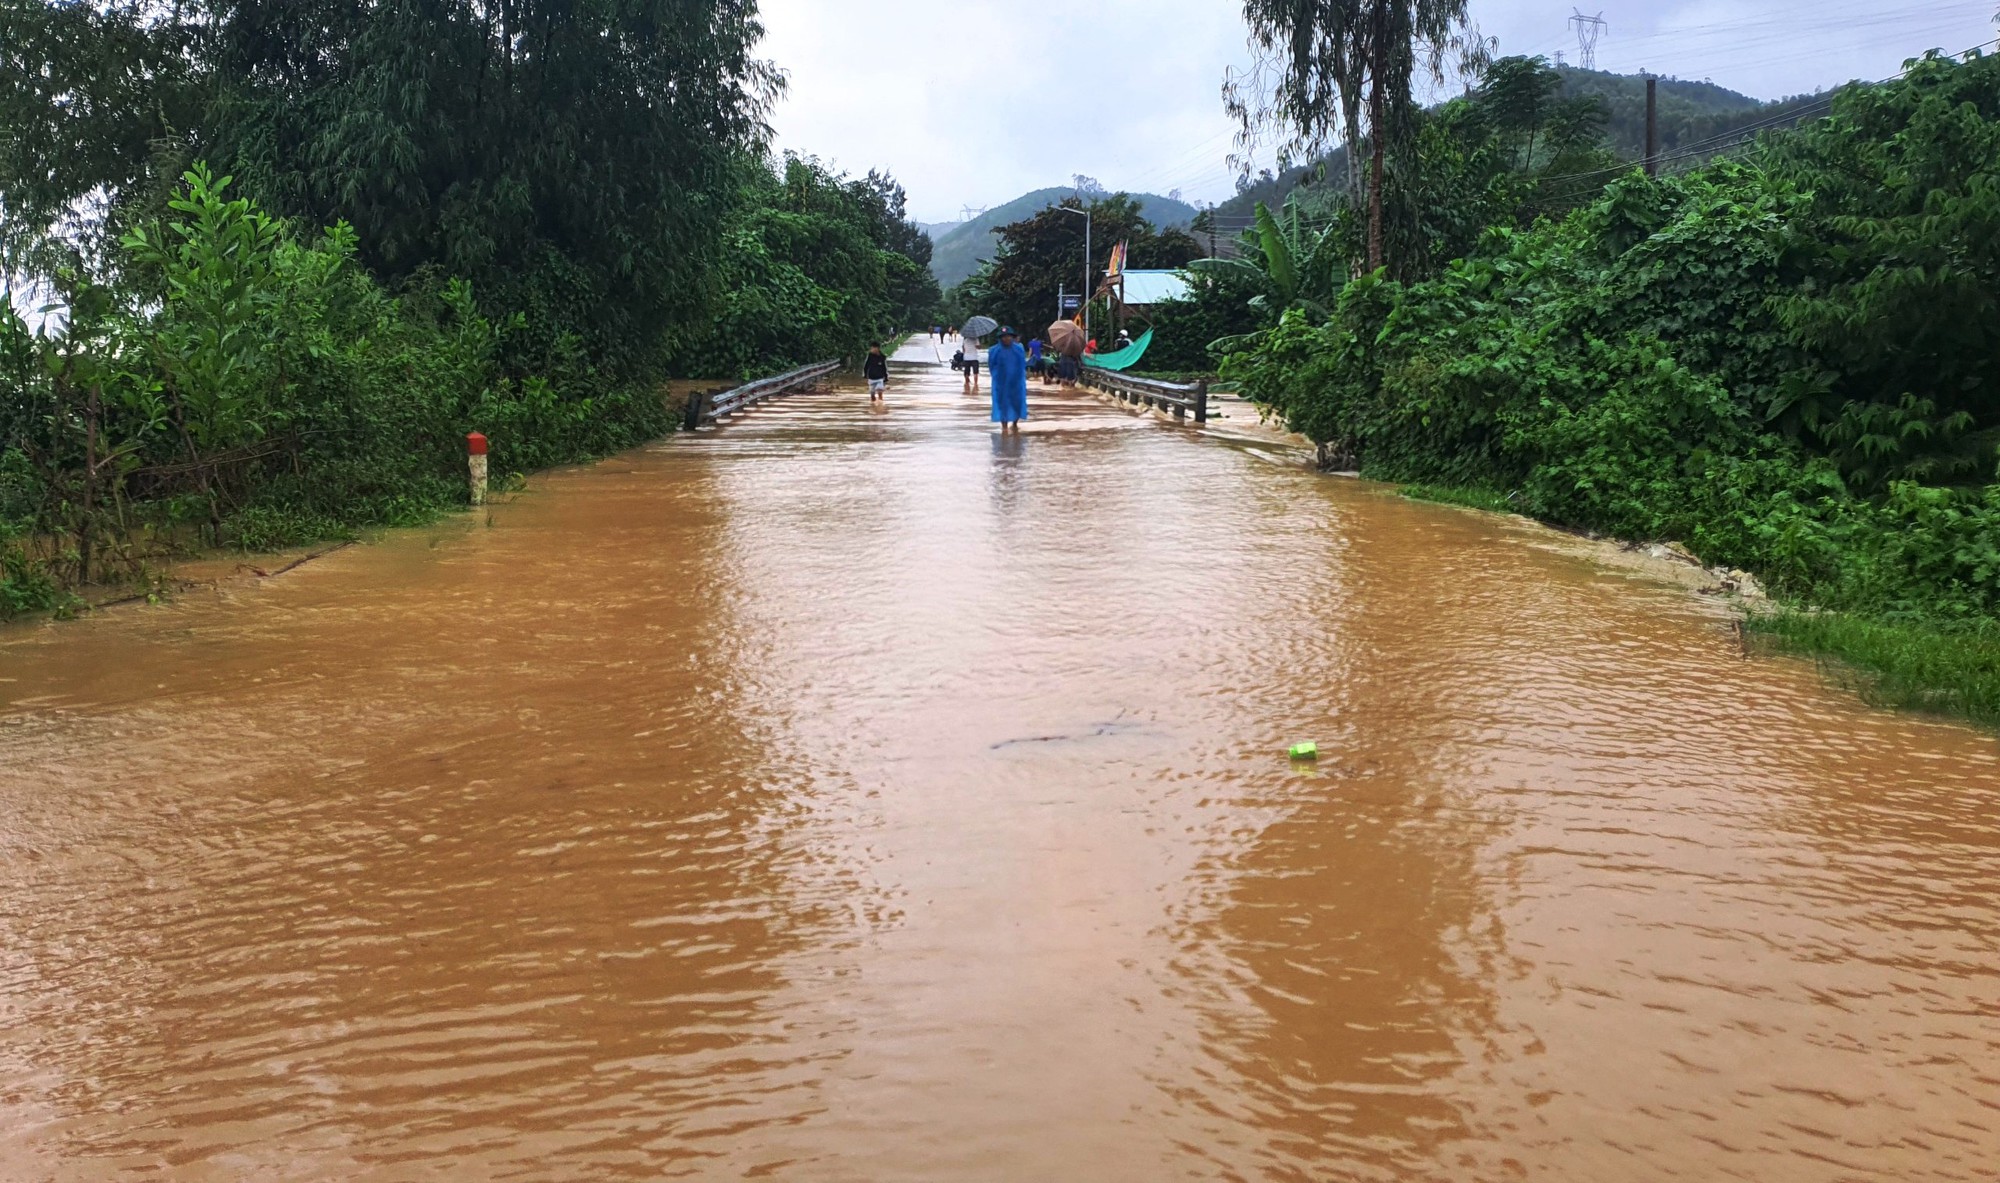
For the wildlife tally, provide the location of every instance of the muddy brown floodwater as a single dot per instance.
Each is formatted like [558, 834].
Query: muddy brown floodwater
[850, 794]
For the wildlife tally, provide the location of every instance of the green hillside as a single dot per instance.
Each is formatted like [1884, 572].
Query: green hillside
[1689, 113]
[1272, 189]
[961, 250]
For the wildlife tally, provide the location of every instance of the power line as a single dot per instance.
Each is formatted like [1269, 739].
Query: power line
[1734, 43]
[1753, 37]
[1740, 134]
[1203, 149]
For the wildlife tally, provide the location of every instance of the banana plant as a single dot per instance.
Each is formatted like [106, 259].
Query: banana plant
[1298, 264]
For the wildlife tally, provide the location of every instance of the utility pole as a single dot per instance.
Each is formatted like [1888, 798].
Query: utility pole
[1087, 294]
[1652, 126]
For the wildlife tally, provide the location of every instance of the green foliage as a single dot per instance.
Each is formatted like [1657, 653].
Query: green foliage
[1319, 181]
[1688, 112]
[25, 586]
[1219, 306]
[594, 172]
[272, 395]
[1909, 665]
[571, 160]
[1791, 364]
[1512, 150]
[1901, 303]
[211, 350]
[1328, 61]
[968, 246]
[1043, 254]
[1291, 262]
[93, 98]
[816, 266]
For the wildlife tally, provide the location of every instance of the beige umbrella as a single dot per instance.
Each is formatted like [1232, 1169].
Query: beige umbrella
[1066, 337]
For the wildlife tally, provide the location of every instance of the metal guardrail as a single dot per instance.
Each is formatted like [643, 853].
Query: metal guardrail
[704, 407]
[1166, 396]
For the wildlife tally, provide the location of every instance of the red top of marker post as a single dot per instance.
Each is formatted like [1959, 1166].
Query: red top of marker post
[475, 444]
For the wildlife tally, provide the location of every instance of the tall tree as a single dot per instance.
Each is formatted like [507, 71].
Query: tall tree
[817, 265]
[1321, 60]
[575, 159]
[90, 95]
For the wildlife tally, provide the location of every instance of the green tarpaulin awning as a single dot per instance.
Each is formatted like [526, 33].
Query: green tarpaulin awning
[1125, 358]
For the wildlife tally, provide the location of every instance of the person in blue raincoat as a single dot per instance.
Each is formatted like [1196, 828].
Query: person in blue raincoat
[1007, 370]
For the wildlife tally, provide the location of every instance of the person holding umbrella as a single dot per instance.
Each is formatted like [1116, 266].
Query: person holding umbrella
[1066, 338]
[969, 350]
[968, 339]
[1007, 365]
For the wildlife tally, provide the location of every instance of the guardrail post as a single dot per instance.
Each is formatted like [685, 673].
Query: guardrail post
[1201, 401]
[697, 404]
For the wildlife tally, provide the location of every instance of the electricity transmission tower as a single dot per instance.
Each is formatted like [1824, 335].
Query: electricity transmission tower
[1588, 30]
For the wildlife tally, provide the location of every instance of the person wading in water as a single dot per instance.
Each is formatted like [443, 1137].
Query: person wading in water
[969, 351]
[876, 370]
[1007, 370]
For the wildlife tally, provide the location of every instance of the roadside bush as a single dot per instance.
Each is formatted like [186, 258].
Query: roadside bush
[1217, 308]
[816, 266]
[255, 387]
[1791, 364]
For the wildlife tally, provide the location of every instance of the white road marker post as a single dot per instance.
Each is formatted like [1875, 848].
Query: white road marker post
[475, 455]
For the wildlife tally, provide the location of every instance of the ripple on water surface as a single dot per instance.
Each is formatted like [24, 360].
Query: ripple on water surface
[852, 793]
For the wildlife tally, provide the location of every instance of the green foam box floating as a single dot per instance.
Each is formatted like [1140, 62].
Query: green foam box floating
[1305, 751]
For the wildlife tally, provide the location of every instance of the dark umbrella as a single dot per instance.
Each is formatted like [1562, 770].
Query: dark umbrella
[1066, 337]
[978, 327]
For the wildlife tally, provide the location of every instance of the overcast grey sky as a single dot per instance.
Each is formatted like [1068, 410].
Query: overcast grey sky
[973, 102]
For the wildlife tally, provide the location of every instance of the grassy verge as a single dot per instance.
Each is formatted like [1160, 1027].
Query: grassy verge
[1909, 665]
[1904, 665]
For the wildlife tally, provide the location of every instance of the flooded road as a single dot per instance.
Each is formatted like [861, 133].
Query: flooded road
[850, 794]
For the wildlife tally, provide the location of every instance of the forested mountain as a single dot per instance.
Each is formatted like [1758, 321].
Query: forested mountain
[961, 250]
[1690, 113]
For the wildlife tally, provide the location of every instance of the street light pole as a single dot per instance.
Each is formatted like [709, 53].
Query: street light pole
[1086, 263]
